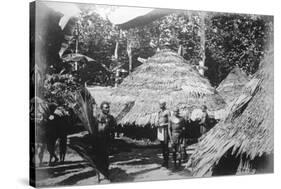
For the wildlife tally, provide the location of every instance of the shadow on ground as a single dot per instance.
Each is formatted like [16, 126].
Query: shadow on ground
[128, 163]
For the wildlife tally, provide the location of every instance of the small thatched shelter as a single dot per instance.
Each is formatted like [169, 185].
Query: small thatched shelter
[243, 143]
[232, 85]
[167, 76]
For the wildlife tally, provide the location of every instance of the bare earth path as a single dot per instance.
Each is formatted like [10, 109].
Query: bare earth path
[134, 164]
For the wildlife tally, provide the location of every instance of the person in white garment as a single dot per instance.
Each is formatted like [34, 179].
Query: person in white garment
[162, 131]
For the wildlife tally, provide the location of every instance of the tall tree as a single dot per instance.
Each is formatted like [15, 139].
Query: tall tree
[202, 33]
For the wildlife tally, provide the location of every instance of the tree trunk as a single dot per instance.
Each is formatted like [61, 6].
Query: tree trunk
[180, 50]
[116, 51]
[76, 50]
[202, 42]
[129, 51]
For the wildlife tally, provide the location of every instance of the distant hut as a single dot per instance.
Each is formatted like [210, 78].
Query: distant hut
[167, 76]
[232, 85]
[243, 143]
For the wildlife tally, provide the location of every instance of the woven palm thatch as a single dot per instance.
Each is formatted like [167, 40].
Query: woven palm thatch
[247, 133]
[165, 76]
[118, 104]
[232, 85]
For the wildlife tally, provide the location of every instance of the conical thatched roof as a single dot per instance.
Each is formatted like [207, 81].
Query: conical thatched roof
[165, 76]
[232, 85]
[248, 130]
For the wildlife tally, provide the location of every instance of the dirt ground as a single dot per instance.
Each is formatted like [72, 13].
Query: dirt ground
[129, 165]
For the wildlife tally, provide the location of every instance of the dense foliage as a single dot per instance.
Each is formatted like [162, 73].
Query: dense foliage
[170, 31]
[235, 40]
[59, 89]
[229, 39]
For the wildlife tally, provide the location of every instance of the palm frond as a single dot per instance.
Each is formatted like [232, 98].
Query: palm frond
[83, 104]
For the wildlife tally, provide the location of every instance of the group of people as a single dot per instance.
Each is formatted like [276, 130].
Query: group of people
[52, 125]
[171, 132]
[172, 128]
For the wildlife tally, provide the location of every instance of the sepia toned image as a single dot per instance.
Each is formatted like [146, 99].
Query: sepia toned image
[128, 94]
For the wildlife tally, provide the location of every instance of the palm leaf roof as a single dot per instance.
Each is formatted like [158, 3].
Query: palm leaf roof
[248, 130]
[166, 76]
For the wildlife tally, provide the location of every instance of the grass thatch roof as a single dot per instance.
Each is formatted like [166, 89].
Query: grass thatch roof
[165, 76]
[232, 85]
[118, 103]
[248, 130]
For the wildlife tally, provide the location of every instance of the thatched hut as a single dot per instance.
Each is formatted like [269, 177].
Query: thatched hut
[232, 85]
[243, 143]
[167, 76]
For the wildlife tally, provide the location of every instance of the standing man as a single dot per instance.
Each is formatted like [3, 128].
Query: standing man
[162, 131]
[106, 125]
[204, 120]
[176, 129]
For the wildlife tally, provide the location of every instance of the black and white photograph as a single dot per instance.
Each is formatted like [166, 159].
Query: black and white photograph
[127, 94]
